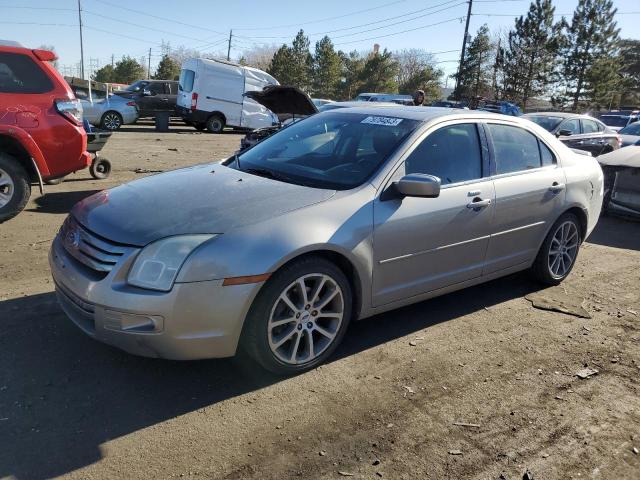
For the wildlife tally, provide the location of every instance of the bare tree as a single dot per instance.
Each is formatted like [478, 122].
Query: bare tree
[259, 56]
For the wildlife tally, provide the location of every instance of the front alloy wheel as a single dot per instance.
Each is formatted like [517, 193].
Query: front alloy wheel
[305, 319]
[299, 317]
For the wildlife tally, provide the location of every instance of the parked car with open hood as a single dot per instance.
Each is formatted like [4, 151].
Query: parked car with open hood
[581, 132]
[622, 181]
[340, 216]
[211, 95]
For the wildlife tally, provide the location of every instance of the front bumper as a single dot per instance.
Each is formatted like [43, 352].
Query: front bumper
[193, 321]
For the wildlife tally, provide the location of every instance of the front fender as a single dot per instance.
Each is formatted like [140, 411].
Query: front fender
[28, 143]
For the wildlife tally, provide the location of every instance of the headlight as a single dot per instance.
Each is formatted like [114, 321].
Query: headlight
[157, 266]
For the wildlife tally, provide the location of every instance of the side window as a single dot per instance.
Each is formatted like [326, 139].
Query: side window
[20, 74]
[589, 126]
[546, 155]
[572, 125]
[451, 153]
[156, 87]
[514, 149]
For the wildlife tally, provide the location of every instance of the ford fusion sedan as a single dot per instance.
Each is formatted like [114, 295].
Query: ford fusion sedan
[341, 216]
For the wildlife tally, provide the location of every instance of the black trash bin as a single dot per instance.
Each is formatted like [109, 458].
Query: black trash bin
[162, 121]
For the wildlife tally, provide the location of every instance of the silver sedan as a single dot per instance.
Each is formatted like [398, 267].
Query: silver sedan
[108, 112]
[338, 217]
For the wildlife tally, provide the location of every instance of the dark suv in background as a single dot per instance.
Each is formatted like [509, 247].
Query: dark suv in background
[152, 96]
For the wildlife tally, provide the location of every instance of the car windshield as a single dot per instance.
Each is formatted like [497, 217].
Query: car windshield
[336, 150]
[547, 122]
[633, 129]
[137, 86]
[614, 120]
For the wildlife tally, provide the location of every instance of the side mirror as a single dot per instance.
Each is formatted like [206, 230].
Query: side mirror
[564, 133]
[418, 185]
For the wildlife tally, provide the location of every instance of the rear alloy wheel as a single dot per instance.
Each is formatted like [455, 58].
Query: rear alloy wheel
[299, 317]
[215, 124]
[15, 188]
[558, 253]
[111, 121]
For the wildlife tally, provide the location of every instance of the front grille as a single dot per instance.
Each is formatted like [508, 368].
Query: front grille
[93, 251]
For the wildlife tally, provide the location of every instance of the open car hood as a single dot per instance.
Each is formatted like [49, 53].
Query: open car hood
[623, 157]
[284, 101]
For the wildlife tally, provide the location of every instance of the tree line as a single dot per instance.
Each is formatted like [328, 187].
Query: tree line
[573, 64]
[576, 64]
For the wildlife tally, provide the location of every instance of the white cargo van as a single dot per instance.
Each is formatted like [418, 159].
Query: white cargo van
[211, 95]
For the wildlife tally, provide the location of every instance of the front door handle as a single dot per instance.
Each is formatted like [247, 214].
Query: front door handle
[556, 187]
[479, 203]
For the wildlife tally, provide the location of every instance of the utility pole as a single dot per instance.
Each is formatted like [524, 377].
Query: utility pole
[112, 60]
[81, 45]
[464, 47]
[229, 47]
[149, 69]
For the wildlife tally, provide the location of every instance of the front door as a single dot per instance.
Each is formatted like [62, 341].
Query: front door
[424, 244]
[530, 190]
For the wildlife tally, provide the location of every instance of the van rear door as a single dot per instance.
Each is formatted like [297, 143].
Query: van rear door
[185, 88]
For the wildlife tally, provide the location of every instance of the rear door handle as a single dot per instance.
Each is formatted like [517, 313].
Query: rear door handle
[478, 203]
[556, 187]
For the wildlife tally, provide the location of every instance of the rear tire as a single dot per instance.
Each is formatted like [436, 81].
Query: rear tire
[559, 251]
[111, 121]
[15, 187]
[215, 124]
[291, 337]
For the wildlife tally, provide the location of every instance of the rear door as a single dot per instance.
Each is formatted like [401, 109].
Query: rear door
[424, 244]
[530, 191]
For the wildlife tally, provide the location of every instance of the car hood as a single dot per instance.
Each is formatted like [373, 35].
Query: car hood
[208, 198]
[623, 157]
[282, 100]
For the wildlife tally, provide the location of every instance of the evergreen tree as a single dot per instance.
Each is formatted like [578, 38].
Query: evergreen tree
[379, 73]
[168, 69]
[629, 60]
[301, 62]
[279, 68]
[352, 65]
[128, 70]
[591, 36]
[474, 76]
[604, 83]
[106, 74]
[530, 58]
[326, 69]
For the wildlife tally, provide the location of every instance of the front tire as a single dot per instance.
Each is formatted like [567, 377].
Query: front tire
[15, 187]
[559, 251]
[299, 317]
[100, 168]
[215, 124]
[111, 121]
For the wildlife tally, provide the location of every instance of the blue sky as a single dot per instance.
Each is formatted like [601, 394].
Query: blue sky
[434, 25]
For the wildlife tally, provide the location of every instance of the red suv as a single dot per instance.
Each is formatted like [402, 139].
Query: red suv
[41, 133]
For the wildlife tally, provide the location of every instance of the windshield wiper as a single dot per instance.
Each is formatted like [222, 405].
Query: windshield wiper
[265, 172]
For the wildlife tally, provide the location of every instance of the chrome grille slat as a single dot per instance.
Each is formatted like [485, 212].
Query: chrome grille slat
[94, 252]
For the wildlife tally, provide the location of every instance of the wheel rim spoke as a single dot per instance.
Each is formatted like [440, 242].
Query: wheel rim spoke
[563, 249]
[298, 314]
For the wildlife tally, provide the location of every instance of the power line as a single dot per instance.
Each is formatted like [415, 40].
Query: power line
[171, 20]
[41, 24]
[37, 8]
[555, 14]
[401, 32]
[322, 19]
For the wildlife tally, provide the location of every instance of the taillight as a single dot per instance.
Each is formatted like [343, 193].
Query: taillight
[619, 141]
[194, 100]
[131, 104]
[70, 109]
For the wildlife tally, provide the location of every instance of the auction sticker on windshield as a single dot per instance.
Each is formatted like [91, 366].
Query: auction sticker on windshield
[388, 121]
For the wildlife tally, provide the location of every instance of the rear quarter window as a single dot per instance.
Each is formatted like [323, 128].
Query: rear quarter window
[515, 149]
[186, 80]
[21, 74]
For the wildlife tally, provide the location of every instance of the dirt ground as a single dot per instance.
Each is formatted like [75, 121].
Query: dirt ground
[386, 406]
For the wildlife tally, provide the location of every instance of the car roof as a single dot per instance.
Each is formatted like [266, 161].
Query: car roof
[424, 114]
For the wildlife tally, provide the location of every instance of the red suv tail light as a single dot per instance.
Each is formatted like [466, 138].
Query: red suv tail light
[194, 100]
[131, 104]
[70, 109]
